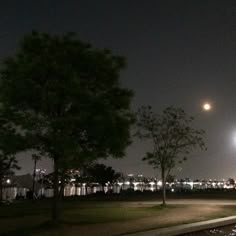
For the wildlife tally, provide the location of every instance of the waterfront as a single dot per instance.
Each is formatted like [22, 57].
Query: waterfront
[18, 186]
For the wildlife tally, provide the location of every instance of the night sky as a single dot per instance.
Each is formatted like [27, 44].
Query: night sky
[179, 53]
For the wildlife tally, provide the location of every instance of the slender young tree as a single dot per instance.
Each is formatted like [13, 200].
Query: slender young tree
[68, 98]
[172, 137]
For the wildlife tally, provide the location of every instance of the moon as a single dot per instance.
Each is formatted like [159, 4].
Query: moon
[206, 106]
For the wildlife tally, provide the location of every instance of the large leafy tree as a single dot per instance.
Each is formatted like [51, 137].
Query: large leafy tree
[68, 98]
[173, 138]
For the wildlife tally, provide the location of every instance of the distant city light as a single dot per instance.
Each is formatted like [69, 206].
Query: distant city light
[8, 181]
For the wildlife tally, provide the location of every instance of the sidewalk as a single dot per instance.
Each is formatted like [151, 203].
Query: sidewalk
[187, 228]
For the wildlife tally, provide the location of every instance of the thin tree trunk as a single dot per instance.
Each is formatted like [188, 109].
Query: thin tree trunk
[76, 189]
[1, 182]
[163, 187]
[62, 187]
[56, 208]
[34, 175]
[1, 188]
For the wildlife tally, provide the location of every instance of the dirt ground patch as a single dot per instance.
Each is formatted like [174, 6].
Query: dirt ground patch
[172, 216]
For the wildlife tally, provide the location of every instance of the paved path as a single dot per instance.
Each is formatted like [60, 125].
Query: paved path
[185, 202]
[187, 228]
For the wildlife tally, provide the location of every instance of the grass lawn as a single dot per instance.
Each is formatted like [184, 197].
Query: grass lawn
[101, 217]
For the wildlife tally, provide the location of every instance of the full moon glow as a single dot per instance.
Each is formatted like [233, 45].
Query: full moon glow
[207, 106]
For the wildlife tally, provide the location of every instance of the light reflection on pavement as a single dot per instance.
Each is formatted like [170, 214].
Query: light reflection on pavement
[222, 231]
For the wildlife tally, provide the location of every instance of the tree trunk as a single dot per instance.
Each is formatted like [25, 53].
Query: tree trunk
[62, 187]
[76, 189]
[34, 175]
[56, 208]
[1, 182]
[163, 186]
[1, 188]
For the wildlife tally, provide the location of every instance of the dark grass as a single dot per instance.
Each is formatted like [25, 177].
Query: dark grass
[29, 217]
[30, 230]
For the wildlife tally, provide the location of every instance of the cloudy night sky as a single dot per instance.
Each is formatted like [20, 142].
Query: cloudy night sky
[179, 53]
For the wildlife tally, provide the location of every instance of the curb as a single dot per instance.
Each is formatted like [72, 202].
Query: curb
[187, 228]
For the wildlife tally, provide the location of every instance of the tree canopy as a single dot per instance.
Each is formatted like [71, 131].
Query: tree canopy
[67, 97]
[102, 174]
